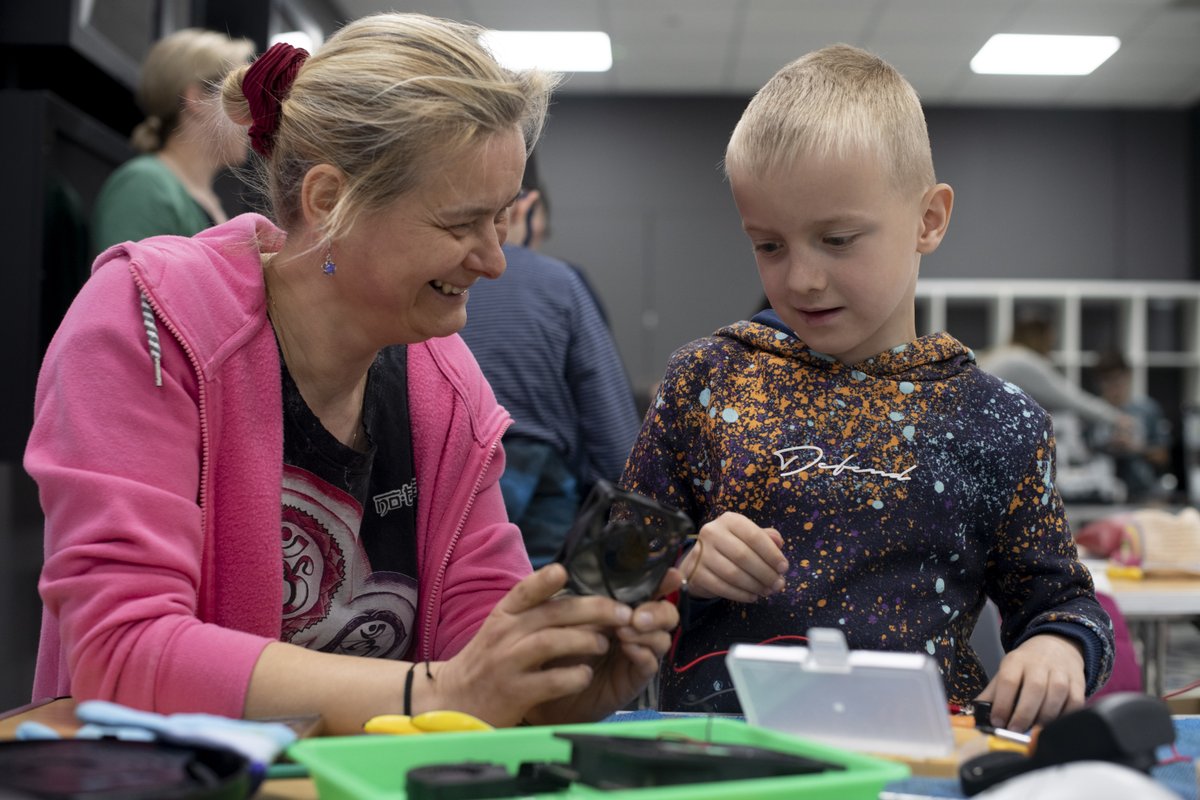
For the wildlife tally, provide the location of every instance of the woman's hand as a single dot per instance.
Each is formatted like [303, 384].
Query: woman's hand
[1040, 680]
[535, 648]
[735, 559]
[630, 664]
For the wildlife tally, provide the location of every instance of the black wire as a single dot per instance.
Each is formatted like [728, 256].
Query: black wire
[706, 698]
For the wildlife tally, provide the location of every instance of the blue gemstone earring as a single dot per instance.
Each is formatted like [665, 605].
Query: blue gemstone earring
[329, 267]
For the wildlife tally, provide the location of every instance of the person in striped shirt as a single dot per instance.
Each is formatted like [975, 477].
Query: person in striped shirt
[544, 346]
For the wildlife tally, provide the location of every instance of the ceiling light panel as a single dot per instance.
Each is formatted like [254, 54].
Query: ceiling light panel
[1041, 54]
[553, 51]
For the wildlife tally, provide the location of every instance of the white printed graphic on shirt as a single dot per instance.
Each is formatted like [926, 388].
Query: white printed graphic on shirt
[331, 600]
[788, 457]
[396, 499]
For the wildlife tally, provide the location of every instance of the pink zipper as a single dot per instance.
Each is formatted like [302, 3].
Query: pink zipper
[203, 408]
[427, 646]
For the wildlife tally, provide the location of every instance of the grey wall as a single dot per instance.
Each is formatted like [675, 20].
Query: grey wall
[1065, 194]
[639, 201]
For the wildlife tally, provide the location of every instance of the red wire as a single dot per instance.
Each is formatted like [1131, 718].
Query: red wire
[1177, 692]
[1177, 758]
[713, 654]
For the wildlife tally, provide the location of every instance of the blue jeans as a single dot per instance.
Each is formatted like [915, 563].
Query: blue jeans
[541, 495]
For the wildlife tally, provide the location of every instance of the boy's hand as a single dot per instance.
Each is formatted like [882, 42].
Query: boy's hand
[1040, 680]
[735, 559]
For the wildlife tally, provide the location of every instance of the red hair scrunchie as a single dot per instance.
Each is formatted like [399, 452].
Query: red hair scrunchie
[265, 86]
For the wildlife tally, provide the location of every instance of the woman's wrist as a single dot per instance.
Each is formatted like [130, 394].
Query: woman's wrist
[422, 689]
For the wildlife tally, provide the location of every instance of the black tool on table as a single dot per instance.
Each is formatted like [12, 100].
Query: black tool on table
[1124, 728]
[114, 769]
[611, 763]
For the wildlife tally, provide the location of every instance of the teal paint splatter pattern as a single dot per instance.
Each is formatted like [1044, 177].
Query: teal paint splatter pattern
[905, 487]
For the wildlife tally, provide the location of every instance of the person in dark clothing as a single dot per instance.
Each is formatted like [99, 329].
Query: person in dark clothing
[542, 342]
[1143, 452]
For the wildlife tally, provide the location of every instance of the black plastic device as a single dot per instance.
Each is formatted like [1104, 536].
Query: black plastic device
[622, 544]
[1125, 728]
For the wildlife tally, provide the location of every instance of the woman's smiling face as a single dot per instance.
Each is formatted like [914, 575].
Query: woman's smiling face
[407, 267]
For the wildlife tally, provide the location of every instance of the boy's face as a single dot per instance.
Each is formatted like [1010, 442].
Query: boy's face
[838, 250]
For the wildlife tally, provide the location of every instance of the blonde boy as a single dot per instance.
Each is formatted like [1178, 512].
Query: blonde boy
[846, 473]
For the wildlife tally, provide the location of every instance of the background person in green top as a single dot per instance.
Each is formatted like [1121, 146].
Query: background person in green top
[185, 142]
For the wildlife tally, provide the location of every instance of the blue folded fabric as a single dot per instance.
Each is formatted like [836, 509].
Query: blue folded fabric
[260, 742]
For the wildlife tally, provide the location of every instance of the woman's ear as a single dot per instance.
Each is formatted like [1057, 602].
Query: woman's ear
[935, 217]
[194, 102]
[319, 194]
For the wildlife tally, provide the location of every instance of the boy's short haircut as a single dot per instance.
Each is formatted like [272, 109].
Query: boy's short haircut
[838, 101]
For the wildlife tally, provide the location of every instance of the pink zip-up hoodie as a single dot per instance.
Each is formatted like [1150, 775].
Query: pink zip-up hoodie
[157, 447]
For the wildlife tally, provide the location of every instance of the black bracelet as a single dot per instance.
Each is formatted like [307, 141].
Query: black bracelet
[408, 682]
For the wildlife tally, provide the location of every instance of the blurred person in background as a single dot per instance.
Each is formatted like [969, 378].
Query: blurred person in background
[542, 342]
[1142, 458]
[185, 142]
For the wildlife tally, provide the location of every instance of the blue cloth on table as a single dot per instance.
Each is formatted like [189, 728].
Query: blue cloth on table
[259, 742]
[1179, 777]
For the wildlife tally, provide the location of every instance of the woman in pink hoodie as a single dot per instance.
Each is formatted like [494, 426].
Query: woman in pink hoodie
[263, 450]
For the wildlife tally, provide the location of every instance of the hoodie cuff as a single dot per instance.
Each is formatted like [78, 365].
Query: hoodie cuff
[1093, 648]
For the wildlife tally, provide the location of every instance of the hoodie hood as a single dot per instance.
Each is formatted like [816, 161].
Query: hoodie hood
[936, 356]
[174, 273]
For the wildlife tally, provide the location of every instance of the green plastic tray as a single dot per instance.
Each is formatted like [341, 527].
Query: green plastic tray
[373, 767]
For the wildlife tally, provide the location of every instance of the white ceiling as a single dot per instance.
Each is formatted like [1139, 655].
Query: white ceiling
[734, 46]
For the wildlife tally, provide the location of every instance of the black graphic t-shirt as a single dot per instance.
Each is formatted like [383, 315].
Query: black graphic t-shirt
[349, 523]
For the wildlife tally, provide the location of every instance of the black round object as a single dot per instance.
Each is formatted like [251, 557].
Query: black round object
[466, 780]
[111, 769]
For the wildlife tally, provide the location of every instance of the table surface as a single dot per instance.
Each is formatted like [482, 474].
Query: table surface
[1149, 597]
[1180, 777]
[1152, 598]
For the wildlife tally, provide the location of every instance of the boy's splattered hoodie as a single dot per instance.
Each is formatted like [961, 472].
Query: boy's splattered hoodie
[905, 487]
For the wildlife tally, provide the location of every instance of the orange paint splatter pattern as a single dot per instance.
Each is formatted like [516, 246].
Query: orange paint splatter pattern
[906, 488]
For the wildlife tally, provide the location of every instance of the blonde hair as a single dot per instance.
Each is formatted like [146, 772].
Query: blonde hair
[383, 100]
[175, 62]
[838, 101]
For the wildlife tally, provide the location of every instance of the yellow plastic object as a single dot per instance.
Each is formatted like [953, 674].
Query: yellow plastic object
[429, 722]
[434, 721]
[1007, 745]
[398, 724]
[1117, 572]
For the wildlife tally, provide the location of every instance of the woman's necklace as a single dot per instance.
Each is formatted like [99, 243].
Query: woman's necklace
[281, 336]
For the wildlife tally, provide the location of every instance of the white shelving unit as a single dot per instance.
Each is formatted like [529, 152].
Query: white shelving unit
[1155, 325]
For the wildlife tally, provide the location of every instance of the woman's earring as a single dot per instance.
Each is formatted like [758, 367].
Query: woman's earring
[329, 267]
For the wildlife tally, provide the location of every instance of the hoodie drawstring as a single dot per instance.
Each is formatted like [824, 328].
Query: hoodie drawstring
[151, 325]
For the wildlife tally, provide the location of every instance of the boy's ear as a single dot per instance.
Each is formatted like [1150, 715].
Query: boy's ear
[322, 187]
[935, 217]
